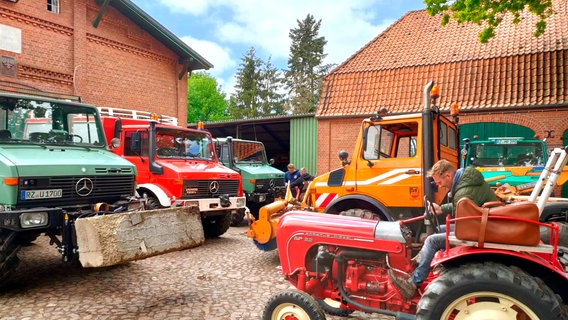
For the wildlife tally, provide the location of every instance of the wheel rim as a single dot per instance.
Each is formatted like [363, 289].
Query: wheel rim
[488, 305]
[289, 311]
[332, 303]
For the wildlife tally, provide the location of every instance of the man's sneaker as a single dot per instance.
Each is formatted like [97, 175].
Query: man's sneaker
[405, 285]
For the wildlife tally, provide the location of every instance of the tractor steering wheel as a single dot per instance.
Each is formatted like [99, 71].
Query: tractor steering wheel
[430, 214]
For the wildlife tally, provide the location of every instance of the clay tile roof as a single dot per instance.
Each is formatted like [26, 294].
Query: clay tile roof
[513, 69]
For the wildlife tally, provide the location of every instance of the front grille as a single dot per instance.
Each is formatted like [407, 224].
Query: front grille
[264, 185]
[107, 188]
[197, 189]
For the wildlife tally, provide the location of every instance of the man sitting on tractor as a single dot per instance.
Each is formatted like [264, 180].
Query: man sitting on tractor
[466, 182]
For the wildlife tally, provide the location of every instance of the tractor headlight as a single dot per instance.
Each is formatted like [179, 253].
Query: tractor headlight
[33, 219]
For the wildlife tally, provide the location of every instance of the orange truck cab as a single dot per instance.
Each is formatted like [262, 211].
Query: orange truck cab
[386, 175]
[176, 166]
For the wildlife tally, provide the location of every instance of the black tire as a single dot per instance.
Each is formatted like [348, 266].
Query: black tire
[488, 289]
[332, 307]
[361, 213]
[237, 217]
[292, 304]
[562, 234]
[254, 208]
[214, 226]
[152, 203]
[9, 248]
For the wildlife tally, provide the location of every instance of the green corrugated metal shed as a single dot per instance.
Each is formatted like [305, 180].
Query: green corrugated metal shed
[303, 143]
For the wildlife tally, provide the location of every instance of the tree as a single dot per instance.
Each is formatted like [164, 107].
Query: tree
[257, 89]
[305, 74]
[490, 12]
[244, 102]
[271, 99]
[205, 100]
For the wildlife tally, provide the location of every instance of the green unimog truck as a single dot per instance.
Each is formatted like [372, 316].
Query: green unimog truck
[262, 183]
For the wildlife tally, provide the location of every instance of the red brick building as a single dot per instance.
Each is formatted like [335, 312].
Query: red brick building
[514, 79]
[106, 53]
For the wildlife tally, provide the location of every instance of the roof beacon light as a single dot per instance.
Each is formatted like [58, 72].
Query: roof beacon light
[435, 92]
[200, 125]
[155, 117]
[454, 109]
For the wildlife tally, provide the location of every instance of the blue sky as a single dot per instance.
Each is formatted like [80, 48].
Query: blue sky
[222, 31]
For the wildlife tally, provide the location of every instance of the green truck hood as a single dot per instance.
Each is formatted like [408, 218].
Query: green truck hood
[30, 160]
[259, 171]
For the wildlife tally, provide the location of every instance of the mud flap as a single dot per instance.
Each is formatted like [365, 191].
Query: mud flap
[117, 238]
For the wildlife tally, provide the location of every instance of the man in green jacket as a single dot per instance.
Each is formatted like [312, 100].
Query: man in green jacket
[462, 183]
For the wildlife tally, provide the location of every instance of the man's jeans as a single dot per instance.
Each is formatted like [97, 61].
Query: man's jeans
[433, 243]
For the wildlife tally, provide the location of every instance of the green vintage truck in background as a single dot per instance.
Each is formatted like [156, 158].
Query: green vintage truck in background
[262, 183]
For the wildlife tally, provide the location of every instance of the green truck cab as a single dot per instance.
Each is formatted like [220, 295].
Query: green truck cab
[55, 167]
[262, 183]
[515, 161]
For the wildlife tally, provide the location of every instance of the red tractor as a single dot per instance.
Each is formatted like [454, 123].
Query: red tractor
[345, 260]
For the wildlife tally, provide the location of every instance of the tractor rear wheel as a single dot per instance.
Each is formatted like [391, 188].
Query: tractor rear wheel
[292, 305]
[361, 213]
[488, 291]
[214, 226]
[9, 248]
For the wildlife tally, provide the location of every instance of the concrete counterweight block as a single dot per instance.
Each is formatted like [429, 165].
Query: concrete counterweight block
[117, 238]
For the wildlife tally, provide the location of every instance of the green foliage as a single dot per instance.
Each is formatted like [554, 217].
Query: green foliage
[305, 74]
[490, 12]
[205, 100]
[257, 89]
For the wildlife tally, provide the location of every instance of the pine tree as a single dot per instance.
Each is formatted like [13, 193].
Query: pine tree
[271, 99]
[305, 74]
[244, 102]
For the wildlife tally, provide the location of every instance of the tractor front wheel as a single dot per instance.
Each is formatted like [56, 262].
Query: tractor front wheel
[488, 291]
[292, 305]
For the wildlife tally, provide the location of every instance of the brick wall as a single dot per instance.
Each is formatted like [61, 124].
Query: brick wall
[116, 64]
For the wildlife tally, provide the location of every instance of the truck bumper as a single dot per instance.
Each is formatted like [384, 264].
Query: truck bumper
[213, 205]
[32, 219]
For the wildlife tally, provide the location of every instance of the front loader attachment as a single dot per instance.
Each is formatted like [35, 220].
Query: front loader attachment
[112, 239]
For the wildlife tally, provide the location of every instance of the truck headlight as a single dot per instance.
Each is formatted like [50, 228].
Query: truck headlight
[33, 219]
[262, 198]
[240, 202]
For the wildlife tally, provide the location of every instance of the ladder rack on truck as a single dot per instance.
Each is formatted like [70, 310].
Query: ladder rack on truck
[137, 114]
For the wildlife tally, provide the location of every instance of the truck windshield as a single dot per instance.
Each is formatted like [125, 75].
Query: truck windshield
[48, 122]
[518, 154]
[249, 151]
[183, 144]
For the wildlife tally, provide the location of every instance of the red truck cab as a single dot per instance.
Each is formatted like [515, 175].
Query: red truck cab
[176, 166]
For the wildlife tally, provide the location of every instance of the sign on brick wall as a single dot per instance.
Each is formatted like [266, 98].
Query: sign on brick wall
[10, 39]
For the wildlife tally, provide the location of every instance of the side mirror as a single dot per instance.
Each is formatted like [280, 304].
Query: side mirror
[343, 155]
[114, 143]
[271, 161]
[136, 142]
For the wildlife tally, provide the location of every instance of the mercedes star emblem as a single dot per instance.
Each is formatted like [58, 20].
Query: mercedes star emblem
[271, 183]
[84, 187]
[214, 187]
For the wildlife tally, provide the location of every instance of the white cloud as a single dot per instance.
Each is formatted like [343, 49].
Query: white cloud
[347, 26]
[218, 55]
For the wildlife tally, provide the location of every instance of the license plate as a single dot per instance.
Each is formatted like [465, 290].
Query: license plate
[41, 194]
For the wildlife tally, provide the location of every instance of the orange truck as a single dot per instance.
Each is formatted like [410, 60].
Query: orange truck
[385, 178]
